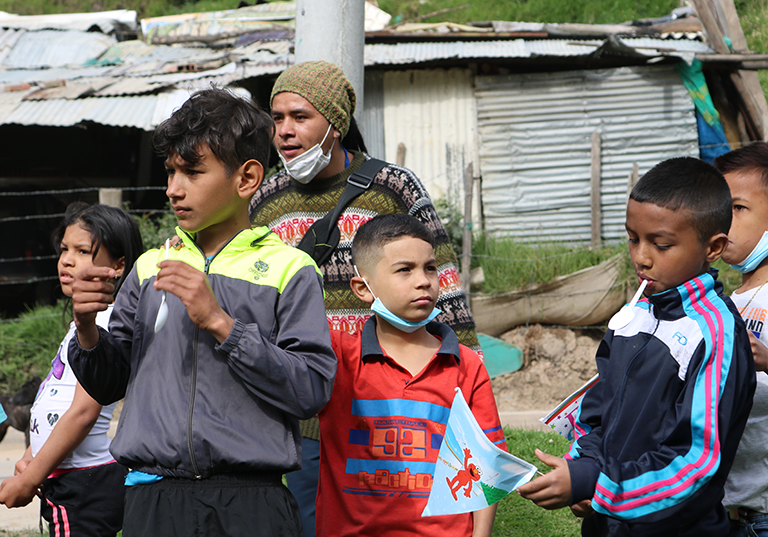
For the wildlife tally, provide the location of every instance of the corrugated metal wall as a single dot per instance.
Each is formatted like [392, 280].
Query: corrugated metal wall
[432, 112]
[371, 119]
[535, 145]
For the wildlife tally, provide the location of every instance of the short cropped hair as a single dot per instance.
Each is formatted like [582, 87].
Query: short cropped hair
[379, 231]
[692, 185]
[236, 130]
[750, 158]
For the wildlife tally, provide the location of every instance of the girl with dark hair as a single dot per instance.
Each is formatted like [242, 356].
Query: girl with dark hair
[68, 463]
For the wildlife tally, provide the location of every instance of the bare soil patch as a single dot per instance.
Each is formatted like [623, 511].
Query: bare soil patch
[557, 362]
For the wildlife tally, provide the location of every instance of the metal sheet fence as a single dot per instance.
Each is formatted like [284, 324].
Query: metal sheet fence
[535, 145]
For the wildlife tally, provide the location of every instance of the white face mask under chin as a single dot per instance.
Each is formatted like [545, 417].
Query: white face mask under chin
[306, 166]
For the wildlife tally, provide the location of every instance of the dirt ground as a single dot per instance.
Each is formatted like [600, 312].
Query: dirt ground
[557, 362]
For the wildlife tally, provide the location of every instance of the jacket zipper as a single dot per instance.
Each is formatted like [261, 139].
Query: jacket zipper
[620, 394]
[193, 386]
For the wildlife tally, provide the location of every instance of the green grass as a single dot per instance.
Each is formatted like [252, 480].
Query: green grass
[754, 22]
[731, 278]
[28, 344]
[519, 517]
[509, 265]
[583, 11]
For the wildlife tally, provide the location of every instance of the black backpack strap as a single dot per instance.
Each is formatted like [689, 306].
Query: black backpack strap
[323, 236]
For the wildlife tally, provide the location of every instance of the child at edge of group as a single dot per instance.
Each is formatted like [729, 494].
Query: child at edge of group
[213, 398]
[656, 436]
[746, 489]
[381, 431]
[68, 463]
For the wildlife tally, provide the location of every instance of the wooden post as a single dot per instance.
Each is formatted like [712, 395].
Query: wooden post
[111, 196]
[632, 179]
[746, 83]
[595, 191]
[400, 159]
[739, 43]
[466, 259]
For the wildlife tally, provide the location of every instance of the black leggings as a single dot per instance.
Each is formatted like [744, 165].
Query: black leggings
[86, 502]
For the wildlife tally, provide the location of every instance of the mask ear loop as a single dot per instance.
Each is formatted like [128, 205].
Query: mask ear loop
[357, 273]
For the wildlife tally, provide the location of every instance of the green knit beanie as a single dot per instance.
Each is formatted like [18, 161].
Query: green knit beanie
[324, 85]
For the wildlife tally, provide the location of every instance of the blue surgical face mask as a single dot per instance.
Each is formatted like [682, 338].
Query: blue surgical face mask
[381, 310]
[753, 260]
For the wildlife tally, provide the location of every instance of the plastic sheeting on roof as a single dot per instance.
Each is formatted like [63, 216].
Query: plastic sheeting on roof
[535, 145]
[53, 48]
[407, 53]
[141, 112]
[106, 21]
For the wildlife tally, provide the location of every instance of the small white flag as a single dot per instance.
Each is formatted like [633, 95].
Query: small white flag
[471, 473]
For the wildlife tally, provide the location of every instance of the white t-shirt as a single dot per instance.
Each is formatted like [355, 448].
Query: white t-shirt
[55, 397]
[747, 484]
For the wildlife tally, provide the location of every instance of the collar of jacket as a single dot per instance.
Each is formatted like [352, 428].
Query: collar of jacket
[670, 304]
[245, 238]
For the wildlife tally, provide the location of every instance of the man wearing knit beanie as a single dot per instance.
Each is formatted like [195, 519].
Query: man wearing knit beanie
[320, 146]
[312, 105]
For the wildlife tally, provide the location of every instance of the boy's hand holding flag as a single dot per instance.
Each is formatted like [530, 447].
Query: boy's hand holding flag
[471, 473]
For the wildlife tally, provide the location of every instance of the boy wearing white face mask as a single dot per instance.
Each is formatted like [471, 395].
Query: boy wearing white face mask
[381, 431]
[746, 171]
[318, 141]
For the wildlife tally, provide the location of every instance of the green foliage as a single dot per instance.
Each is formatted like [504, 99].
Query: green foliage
[517, 516]
[29, 343]
[509, 265]
[582, 11]
[144, 8]
[24, 532]
[731, 278]
[453, 220]
[156, 228]
[754, 21]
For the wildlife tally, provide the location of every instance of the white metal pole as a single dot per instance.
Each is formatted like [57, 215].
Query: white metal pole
[333, 31]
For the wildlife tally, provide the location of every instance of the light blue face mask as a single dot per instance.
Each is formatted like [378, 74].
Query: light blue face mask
[753, 260]
[381, 310]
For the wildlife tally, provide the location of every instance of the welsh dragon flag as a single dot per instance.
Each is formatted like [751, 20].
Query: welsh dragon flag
[471, 473]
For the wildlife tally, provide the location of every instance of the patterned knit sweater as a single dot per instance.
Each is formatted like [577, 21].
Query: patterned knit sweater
[290, 208]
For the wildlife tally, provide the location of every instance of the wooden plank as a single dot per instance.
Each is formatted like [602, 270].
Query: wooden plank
[400, 158]
[751, 80]
[111, 196]
[733, 26]
[742, 67]
[711, 27]
[633, 177]
[466, 258]
[743, 81]
[731, 58]
[595, 190]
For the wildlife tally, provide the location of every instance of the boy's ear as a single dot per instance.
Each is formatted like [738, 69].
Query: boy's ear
[361, 290]
[249, 176]
[716, 247]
